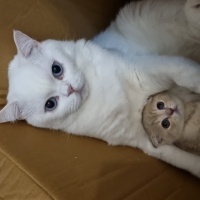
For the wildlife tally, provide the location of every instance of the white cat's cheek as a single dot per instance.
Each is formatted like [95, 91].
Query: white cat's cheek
[84, 93]
[77, 101]
[38, 121]
[68, 105]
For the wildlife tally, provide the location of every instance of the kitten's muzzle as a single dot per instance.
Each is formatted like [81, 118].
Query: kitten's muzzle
[169, 111]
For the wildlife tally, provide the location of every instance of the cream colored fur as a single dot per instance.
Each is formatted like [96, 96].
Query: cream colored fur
[184, 119]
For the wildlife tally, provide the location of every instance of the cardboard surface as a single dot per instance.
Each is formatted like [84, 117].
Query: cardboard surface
[16, 184]
[42, 164]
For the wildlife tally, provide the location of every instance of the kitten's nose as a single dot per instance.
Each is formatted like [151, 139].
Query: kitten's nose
[169, 111]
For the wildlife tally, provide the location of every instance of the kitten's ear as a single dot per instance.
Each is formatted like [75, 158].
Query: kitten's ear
[10, 113]
[149, 99]
[156, 140]
[24, 43]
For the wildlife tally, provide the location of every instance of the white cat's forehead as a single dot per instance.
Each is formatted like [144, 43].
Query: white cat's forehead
[28, 80]
[54, 48]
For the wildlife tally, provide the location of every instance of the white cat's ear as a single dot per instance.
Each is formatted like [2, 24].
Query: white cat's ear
[24, 43]
[10, 113]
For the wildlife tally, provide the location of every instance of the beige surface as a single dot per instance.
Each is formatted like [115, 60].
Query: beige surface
[16, 184]
[42, 164]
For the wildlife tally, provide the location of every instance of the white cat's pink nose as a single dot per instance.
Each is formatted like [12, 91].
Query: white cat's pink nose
[70, 90]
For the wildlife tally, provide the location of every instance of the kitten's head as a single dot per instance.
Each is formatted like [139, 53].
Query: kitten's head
[163, 118]
[45, 84]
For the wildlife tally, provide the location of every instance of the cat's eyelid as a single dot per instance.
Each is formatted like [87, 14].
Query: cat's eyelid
[56, 62]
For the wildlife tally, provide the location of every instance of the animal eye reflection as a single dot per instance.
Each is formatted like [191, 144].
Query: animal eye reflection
[51, 104]
[57, 70]
[160, 105]
[165, 123]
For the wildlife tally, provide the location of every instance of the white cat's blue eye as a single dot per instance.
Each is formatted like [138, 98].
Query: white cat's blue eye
[57, 69]
[51, 104]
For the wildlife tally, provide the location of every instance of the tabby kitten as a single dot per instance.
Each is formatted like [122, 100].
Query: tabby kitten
[168, 119]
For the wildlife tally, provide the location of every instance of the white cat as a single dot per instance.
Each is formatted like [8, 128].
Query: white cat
[84, 89]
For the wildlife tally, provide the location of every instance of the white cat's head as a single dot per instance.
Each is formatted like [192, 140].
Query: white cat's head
[163, 118]
[45, 84]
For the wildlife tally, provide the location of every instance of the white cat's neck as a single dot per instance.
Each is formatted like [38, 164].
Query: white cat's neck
[111, 108]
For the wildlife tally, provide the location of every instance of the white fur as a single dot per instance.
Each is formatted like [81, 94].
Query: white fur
[166, 27]
[116, 81]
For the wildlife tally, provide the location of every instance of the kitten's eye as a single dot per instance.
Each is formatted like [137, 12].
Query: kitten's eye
[165, 123]
[57, 69]
[160, 105]
[51, 104]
